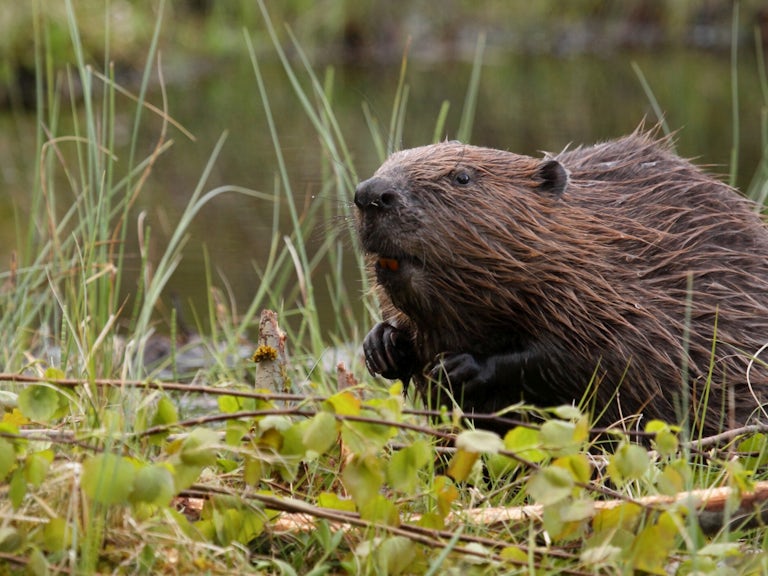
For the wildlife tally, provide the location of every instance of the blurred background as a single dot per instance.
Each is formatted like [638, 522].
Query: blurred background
[554, 73]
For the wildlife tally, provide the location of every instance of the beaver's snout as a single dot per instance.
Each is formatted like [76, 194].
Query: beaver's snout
[376, 194]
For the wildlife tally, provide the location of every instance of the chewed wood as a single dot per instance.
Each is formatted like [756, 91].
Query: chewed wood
[708, 504]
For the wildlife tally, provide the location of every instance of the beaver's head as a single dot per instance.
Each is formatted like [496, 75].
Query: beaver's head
[434, 220]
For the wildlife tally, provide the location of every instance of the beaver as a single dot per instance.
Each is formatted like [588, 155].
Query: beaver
[618, 273]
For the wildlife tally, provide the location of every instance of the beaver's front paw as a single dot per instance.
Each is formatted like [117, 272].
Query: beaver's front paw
[463, 371]
[389, 351]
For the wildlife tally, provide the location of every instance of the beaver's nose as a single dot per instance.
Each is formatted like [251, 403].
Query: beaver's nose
[375, 194]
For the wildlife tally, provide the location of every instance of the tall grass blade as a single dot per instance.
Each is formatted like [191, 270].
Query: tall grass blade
[395, 138]
[655, 106]
[464, 133]
[758, 188]
[735, 120]
[440, 123]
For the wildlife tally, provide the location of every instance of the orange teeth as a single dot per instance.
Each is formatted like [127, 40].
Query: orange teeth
[389, 264]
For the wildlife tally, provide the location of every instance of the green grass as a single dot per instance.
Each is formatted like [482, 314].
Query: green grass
[108, 466]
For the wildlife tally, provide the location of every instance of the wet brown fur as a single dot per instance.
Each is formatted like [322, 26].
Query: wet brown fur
[597, 278]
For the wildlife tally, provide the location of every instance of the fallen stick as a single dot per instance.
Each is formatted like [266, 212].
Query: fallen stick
[709, 504]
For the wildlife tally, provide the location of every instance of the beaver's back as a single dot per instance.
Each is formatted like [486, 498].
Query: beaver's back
[695, 257]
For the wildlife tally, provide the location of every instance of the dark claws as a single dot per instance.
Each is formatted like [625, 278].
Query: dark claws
[459, 370]
[389, 351]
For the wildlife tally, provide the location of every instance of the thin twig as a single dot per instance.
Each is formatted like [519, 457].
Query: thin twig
[155, 385]
[710, 505]
[302, 517]
[728, 435]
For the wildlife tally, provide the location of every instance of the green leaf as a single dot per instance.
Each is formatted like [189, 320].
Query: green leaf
[7, 458]
[651, 549]
[254, 469]
[271, 439]
[526, 443]
[379, 510]
[235, 431]
[345, 404]
[227, 465]
[363, 438]
[629, 462]
[600, 554]
[11, 540]
[577, 465]
[165, 413]
[757, 448]
[431, 521]
[567, 412]
[227, 524]
[480, 441]
[18, 488]
[57, 535]
[52, 373]
[251, 525]
[671, 480]
[655, 426]
[480, 554]
[154, 485]
[232, 523]
[229, 404]
[274, 422]
[722, 549]
[184, 475]
[199, 448]
[390, 408]
[404, 466]
[500, 466]
[8, 400]
[395, 555]
[10, 428]
[37, 564]
[205, 530]
[292, 450]
[515, 554]
[36, 466]
[445, 493]
[108, 478]
[363, 477]
[666, 443]
[562, 437]
[665, 440]
[461, 464]
[293, 440]
[329, 540]
[39, 402]
[577, 510]
[622, 517]
[321, 433]
[563, 520]
[738, 477]
[396, 389]
[334, 502]
[550, 485]
[701, 564]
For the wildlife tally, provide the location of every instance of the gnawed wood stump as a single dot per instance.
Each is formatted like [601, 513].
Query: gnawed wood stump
[271, 355]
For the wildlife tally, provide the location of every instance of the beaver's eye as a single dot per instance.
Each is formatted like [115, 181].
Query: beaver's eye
[462, 178]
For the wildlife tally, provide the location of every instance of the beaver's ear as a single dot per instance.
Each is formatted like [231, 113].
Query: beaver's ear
[553, 177]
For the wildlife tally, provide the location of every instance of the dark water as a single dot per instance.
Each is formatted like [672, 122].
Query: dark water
[526, 104]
